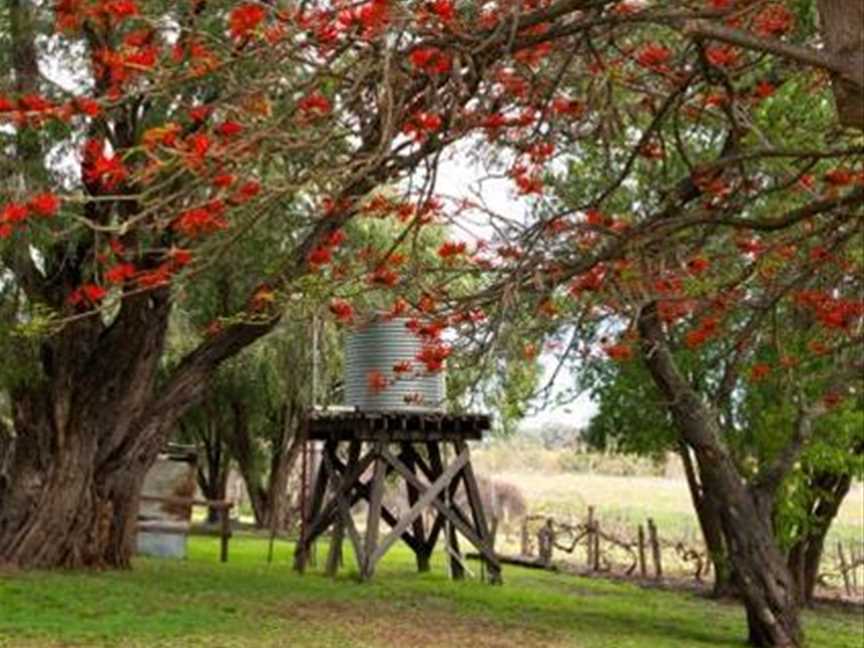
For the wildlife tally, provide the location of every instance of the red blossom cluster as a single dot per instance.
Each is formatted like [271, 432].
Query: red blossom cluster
[430, 60]
[198, 221]
[619, 351]
[245, 18]
[832, 312]
[342, 310]
[322, 254]
[14, 214]
[432, 356]
[421, 125]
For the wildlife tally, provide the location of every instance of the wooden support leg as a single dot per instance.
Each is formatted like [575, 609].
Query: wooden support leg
[301, 554]
[436, 463]
[373, 520]
[475, 504]
[419, 532]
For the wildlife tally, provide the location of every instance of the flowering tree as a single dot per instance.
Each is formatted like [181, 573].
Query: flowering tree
[710, 201]
[146, 140]
[181, 130]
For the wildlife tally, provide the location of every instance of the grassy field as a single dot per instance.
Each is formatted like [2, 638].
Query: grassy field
[245, 603]
[624, 501]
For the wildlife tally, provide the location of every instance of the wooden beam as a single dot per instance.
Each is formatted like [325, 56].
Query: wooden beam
[374, 517]
[464, 528]
[427, 495]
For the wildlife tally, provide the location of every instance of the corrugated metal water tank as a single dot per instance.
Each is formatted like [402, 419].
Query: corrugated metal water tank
[378, 346]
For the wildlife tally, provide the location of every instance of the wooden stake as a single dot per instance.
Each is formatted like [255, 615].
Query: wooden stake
[655, 549]
[843, 569]
[643, 568]
[589, 541]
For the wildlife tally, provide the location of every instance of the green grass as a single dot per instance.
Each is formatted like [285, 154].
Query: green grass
[199, 602]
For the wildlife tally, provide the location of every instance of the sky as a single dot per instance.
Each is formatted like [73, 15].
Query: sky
[459, 177]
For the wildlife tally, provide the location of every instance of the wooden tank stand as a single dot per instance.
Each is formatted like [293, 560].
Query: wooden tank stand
[362, 450]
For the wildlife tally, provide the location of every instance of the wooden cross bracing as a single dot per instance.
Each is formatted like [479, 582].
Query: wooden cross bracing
[428, 483]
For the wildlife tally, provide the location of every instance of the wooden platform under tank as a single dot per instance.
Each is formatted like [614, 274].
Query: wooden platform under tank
[395, 426]
[361, 451]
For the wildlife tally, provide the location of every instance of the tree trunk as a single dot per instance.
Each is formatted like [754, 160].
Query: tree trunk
[62, 508]
[842, 26]
[708, 514]
[765, 584]
[827, 493]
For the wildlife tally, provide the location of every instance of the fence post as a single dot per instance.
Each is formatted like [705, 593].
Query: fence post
[655, 549]
[526, 545]
[643, 568]
[589, 540]
[843, 569]
[596, 550]
[224, 533]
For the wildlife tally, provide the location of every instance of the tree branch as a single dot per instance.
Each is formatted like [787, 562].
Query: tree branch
[700, 29]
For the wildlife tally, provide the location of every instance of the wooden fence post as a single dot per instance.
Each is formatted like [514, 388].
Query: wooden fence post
[643, 568]
[655, 549]
[596, 550]
[589, 541]
[224, 532]
[526, 543]
[843, 569]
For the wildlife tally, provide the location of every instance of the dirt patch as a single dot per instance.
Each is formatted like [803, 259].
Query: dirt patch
[382, 624]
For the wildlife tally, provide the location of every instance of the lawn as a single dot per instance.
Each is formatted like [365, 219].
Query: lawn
[247, 603]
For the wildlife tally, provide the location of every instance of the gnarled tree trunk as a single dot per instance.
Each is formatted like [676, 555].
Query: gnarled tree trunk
[764, 581]
[708, 514]
[827, 493]
[83, 442]
[89, 428]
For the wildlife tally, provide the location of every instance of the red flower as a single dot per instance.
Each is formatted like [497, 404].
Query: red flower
[403, 366]
[34, 103]
[314, 105]
[449, 249]
[376, 381]
[120, 273]
[121, 9]
[5, 231]
[444, 9]
[722, 55]
[101, 169]
[421, 124]
[247, 191]
[45, 204]
[180, 257]
[159, 276]
[14, 213]
[619, 352]
[336, 238]
[653, 56]
[433, 356]
[698, 265]
[764, 89]
[88, 294]
[320, 256]
[229, 128]
[223, 180]
[384, 277]
[431, 60]
[839, 177]
[759, 371]
[774, 20]
[200, 220]
[199, 113]
[87, 106]
[244, 19]
[342, 310]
